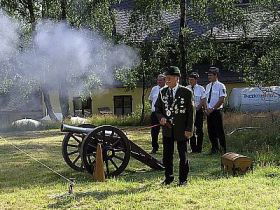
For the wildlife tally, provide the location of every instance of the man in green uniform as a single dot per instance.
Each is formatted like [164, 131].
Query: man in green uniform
[175, 111]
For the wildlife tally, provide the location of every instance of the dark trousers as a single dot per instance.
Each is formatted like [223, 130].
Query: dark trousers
[197, 139]
[168, 151]
[154, 131]
[216, 130]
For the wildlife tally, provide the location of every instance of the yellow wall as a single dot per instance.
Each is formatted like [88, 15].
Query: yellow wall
[105, 97]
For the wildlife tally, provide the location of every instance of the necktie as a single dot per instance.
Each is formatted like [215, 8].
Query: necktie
[193, 89]
[210, 93]
[170, 97]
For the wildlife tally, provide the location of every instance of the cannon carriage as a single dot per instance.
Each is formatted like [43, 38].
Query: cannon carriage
[79, 148]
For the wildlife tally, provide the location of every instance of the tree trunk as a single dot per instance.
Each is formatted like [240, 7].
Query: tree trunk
[48, 104]
[63, 89]
[64, 100]
[30, 8]
[46, 96]
[112, 17]
[63, 5]
[45, 8]
[143, 98]
[182, 42]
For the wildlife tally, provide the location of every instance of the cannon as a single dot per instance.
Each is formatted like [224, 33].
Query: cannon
[80, 143]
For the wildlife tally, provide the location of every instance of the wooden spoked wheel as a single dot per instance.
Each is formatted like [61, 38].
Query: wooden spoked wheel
[115, 150]
[71, 148]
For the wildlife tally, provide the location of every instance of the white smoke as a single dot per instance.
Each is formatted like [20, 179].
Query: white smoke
[58, 53]
[9, 37]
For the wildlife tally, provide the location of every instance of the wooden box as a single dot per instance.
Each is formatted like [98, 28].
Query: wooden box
[235, 163]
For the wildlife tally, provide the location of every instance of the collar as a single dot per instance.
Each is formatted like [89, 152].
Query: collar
[195, 86]
[175, 88]
[215, 82]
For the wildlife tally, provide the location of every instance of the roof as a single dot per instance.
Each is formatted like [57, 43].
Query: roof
[260, 24]
[124, 5]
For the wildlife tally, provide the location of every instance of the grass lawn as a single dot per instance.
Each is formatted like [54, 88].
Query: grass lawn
[25, 184]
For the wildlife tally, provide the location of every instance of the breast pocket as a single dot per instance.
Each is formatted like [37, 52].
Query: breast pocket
[207, 93]
[215, 93]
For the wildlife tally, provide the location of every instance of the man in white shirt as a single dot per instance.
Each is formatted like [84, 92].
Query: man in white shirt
[215, 94]
[200, 103]
[154, 120]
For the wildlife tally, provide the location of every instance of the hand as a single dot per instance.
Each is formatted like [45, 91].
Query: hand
[188, 134]
[209, 111]
[162, 121]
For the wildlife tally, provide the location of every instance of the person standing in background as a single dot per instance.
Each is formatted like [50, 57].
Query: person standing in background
[215, 96]
[154, 120]
[200, 103]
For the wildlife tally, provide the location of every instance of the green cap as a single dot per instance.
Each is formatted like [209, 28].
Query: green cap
[172, 70]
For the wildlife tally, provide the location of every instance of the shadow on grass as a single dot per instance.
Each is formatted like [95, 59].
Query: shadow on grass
[65, 201]
[25, 173]
[23, 135]
[202, 166]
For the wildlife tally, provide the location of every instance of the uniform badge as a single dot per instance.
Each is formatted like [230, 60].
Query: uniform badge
[168, 113]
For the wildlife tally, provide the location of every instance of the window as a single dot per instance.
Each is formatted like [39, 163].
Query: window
[82, 108]
[122, 105]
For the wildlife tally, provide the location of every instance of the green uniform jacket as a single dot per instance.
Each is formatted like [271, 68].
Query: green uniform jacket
[181, 114]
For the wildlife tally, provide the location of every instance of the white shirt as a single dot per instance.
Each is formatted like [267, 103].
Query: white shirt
[175, 90]
[218, 90]
[198, 92]
[153, 96]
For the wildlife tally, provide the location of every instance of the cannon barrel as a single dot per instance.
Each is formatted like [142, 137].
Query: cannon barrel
[74, 129]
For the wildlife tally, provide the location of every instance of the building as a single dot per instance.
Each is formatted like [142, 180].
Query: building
[13, 108]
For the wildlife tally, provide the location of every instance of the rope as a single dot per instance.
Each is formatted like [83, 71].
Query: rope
[148, 127]
[71, 181]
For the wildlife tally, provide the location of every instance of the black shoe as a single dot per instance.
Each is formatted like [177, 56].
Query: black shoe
[184, 183]
[168, 181]
[154, 151]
